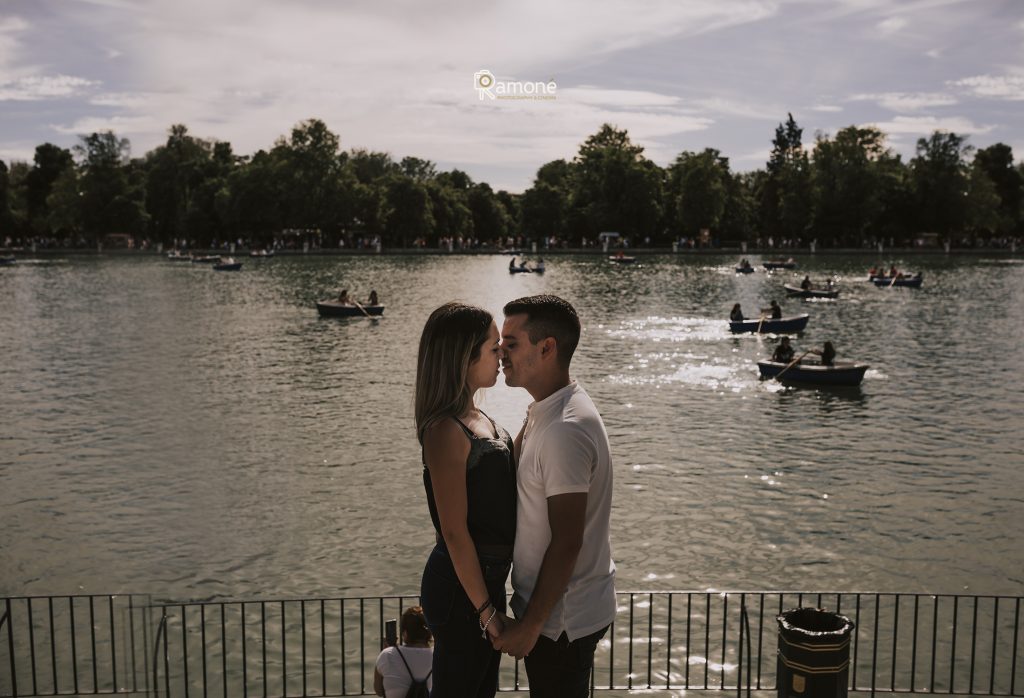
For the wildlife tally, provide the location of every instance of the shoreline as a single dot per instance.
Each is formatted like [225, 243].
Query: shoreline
[646, 251]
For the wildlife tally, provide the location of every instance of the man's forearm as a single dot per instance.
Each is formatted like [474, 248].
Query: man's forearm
[555, 573]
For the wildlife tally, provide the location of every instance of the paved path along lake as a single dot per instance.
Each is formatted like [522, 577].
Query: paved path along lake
[168, 429]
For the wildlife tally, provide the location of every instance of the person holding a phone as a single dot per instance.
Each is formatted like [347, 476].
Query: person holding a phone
[397, 668]
[470, 482]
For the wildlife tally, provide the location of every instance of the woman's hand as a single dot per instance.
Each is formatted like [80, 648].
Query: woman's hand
[497, 625]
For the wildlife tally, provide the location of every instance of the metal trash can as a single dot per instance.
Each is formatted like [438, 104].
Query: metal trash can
[814, 654]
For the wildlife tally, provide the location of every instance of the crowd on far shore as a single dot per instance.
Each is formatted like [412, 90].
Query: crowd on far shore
[314, 241]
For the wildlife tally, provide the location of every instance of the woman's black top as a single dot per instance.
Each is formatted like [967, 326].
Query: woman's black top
[490, 489]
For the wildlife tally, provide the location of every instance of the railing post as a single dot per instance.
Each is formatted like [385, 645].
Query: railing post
[10, 644]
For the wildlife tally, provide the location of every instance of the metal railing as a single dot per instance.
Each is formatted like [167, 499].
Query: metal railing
[697, 641]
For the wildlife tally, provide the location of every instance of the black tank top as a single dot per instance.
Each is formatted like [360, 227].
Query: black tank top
[490, 489]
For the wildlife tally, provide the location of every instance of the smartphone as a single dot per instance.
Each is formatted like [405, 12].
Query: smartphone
[391, 632]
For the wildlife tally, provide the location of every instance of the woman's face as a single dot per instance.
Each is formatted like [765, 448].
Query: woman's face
[483, 372]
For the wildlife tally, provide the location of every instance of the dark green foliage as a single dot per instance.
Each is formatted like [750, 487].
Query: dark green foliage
[850, 189]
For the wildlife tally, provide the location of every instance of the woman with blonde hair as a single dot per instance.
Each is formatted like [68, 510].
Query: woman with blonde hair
[470, 480]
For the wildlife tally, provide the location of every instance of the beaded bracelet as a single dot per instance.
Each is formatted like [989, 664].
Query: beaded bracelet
[483, 626]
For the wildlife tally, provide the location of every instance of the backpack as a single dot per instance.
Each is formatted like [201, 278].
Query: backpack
[418, 689]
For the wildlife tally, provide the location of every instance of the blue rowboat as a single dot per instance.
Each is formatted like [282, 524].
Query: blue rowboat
[208, 259]
[798, 292]
[744, 270]
[7, 261]
[907, 281]
[336, 309]
[228, 266]
[814, 373]
[783, 325]
[520, 270]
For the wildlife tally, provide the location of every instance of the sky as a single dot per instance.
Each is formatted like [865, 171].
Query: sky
[399, 75]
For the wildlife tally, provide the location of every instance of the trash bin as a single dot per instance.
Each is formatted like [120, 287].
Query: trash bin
[814, 653]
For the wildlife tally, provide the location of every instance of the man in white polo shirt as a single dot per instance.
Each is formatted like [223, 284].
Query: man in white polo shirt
[562, 572]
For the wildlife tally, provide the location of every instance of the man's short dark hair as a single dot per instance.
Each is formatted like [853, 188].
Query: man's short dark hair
[549, 316]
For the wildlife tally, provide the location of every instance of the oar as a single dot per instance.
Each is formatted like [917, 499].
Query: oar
[362, 308]
[791, 364]
[761, 322]
[893, 282]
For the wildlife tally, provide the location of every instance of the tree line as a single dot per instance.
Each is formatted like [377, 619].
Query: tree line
[844, 190]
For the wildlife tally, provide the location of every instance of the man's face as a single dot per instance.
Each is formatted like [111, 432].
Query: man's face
[520, 358]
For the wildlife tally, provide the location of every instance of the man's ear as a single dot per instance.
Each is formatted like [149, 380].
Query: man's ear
[549, 347]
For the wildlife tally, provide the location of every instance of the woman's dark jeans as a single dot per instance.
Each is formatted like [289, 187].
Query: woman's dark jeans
[465, 664]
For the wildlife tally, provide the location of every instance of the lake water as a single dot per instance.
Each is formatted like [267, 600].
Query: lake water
[167, 429]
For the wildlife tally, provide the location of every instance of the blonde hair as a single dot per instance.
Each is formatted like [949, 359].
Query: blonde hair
[451, 341]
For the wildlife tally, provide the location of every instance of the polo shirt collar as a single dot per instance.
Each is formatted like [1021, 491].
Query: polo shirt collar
[539, 407]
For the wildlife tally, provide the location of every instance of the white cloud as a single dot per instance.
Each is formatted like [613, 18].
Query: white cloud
[827, 108]
[45, 87]
[925, 125]
[933, 53]
[890, 26]
[121, 125]
[731, 107]
[1009, 87]
[907, 101]
[590, 94]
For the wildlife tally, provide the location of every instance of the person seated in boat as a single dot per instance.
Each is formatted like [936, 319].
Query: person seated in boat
[917, 275]
[539, 266]
[784, 352]
[829, 283]
[827, 354]
[737, 314]
[893, 271]
[806, 283]
[774, 309]
[512, 264]
[373, 300]
[343, 297]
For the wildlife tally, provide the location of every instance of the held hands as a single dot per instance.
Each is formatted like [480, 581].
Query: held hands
[517, 639]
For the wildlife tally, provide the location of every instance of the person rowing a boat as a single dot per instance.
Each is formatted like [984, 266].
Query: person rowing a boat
[737, 314]
[343, 297]
[774, 309]
[784, 352]
[512, 264]
[373, 299]
[806, 283]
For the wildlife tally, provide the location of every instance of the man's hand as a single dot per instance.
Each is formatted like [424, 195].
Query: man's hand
[517, 639]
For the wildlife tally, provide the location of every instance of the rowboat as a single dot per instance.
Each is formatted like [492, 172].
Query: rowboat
[782, 325]
[907, 281]
[335, 309]
[227, 264]
[813, 373]
[622, 259]
[7, 261]
[261, 253]
[744, 270]
[178, 256]
[798, 292]
[780, 264]
[208, 259]
[520, 270]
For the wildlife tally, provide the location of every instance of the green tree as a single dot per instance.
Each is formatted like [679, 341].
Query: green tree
[544, 210]
[996, 161]
[847, 184]
[112, 190]
[940, 176]
[6, 216]
[699, 184]
[50, 162]
[450, 211]
[490, 219]
[615, 188]
[409, 214]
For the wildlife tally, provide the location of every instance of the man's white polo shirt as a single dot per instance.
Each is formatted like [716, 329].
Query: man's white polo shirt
[565, 449]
